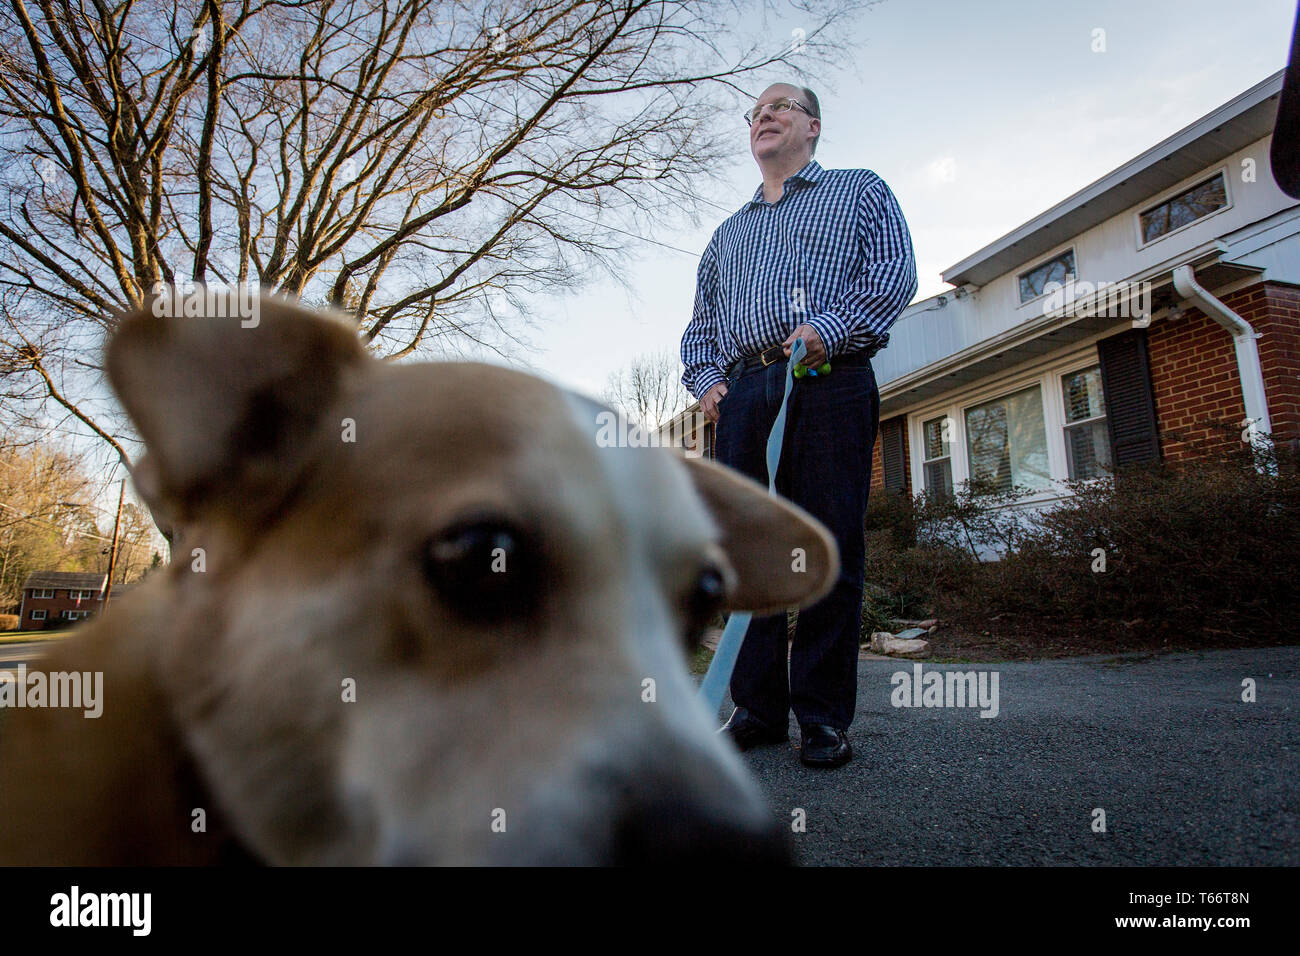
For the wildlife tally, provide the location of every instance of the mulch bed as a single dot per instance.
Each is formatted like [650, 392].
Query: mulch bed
[1035, 639]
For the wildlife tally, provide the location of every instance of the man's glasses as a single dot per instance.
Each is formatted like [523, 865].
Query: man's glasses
[783, 105]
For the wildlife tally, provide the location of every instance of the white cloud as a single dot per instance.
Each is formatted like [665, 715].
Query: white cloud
[942, 170]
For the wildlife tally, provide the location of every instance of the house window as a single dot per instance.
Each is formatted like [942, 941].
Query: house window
[1006, 442]
[1187, 207]
[75, 615]
[81, 595]
[38, 615]
[1087, 441]
[42, 594]
[938, 455]
[1035, 280]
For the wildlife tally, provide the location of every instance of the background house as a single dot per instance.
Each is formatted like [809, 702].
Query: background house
[1001, 380]
[54, 599]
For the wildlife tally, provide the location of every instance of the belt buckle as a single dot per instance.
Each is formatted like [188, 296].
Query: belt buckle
[763, 356]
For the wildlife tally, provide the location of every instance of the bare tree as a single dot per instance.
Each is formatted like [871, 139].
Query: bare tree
[425, 164]
[46, 522]
[649, 390]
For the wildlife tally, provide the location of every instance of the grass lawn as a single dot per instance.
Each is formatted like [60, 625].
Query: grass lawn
[700, 660]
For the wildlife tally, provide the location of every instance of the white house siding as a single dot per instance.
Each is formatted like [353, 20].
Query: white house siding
[927, 334]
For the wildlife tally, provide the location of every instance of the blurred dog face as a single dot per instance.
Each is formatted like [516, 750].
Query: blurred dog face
[418, 615]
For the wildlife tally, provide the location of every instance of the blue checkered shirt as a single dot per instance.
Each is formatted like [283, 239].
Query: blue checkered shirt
[833, 252]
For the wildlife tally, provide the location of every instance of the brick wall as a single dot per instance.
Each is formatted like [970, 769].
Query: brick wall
[1194, 371]
[1276, 316]
[54, 608]
[877, 468]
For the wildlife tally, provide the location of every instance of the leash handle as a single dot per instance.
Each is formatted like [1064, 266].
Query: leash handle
[718, 677]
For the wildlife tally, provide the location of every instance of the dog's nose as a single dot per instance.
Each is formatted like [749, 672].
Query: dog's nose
[672, 833]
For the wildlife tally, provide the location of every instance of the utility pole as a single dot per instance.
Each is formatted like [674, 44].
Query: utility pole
[112, 549]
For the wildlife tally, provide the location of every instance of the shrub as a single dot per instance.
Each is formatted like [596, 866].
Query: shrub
[1192, 548]
[9, 622]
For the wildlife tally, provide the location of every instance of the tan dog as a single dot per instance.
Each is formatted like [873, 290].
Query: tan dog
[418, 615]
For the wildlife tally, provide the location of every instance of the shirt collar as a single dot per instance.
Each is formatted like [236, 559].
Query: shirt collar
[810, 174]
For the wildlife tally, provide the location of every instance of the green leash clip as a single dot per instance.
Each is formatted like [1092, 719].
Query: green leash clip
[802, 371]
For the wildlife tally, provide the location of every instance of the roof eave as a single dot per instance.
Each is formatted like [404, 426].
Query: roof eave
[1243, 111]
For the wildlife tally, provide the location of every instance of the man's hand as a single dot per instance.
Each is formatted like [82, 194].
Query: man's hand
[709, 403]
[812, 341]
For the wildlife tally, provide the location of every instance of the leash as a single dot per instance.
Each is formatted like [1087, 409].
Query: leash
[718, 677]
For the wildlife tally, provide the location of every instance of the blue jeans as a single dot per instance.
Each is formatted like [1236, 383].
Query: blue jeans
[825, 469]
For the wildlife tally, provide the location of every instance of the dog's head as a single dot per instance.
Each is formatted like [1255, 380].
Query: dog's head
[420, 614]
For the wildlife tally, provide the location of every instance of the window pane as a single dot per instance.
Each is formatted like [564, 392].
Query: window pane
[935, 446]
[938, 476]
[1197, 202]
[1057, 270]
[1006, 442]
[1088, 450]
[1083, 397]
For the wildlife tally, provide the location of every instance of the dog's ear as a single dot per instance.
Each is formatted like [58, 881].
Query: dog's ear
[783, 556]
[226, 403]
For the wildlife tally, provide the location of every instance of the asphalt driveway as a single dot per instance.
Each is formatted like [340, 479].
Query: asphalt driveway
[1185, 770]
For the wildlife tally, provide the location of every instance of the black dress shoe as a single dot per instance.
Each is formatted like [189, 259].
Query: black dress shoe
[746, 731]
[824, 746]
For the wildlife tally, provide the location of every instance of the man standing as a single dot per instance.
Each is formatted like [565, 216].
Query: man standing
[822, 255]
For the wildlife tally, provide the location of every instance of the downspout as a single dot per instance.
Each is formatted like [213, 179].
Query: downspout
[1243, 339]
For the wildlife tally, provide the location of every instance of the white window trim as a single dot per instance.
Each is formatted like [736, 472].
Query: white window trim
[1047, 376]
[1201, 177]
[1074, 252]
[38, 614]
[926, 461]
[43, 594]
[1066, 424]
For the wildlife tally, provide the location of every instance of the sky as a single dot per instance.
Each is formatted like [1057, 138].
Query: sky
[979, 116]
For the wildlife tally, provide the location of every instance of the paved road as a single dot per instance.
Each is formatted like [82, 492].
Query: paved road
[12, 654]
[1187, 773]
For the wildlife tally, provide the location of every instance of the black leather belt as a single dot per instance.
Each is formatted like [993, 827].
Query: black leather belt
[777, 354]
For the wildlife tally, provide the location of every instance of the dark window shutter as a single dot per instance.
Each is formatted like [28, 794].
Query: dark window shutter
[893, 454]
[1130, 404]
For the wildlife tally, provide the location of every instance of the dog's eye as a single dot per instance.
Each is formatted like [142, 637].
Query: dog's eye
[704, 602]
[484, 569]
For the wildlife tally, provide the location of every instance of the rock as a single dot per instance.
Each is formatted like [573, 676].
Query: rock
[878, 639]
[928, 625]
[933, 628]
[899, 647]
[910, 634]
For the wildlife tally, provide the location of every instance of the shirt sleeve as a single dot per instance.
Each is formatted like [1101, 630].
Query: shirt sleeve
[700, 352]
[861, 315]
